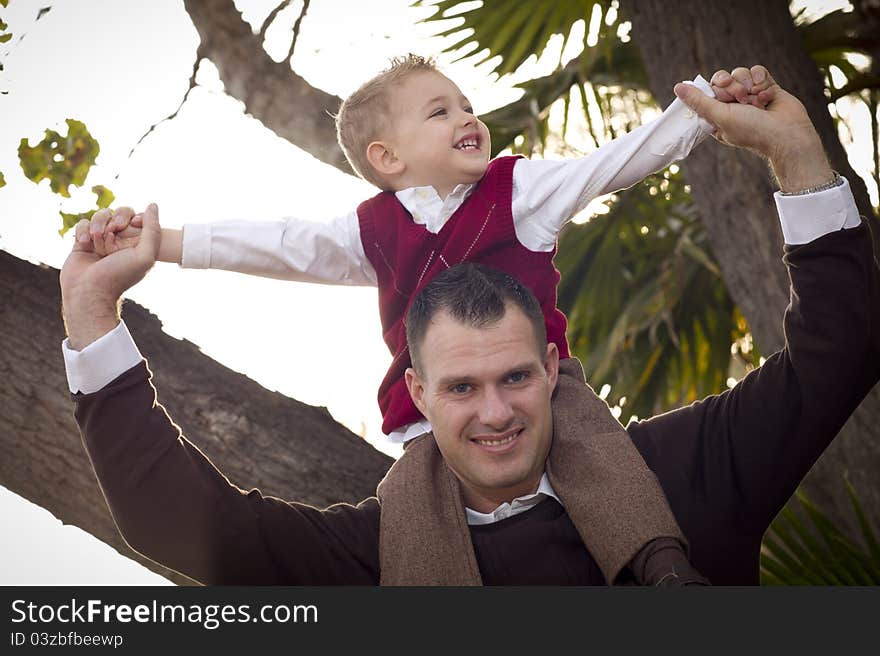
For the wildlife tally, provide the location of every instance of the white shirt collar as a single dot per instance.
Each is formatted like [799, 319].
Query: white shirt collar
[515, 507]
[428, 209]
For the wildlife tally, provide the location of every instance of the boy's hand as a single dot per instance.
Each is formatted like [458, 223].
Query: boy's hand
[747, 86]
[110, 231]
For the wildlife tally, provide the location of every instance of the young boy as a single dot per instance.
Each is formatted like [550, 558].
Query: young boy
[412, 133]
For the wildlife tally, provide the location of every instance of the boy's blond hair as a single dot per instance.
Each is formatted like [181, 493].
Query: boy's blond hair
[366, 114]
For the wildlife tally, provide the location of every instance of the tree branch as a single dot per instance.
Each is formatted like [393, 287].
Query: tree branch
[271, 92]
[271, 18]
[192, 85]
[296, 26]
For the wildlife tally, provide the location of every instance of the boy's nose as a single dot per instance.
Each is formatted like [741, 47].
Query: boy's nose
[466, 118]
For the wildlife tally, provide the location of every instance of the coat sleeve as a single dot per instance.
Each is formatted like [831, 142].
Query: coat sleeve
[730, 462]
[173, 506]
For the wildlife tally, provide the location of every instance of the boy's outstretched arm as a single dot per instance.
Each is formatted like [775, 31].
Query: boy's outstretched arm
[290, 249]
[548, 193]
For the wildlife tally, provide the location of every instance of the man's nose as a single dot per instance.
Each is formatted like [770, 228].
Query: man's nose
[496, 411]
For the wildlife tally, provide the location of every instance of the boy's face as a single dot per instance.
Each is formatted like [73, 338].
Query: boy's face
[434, 135]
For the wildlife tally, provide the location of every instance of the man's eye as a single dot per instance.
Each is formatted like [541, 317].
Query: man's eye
[517, 377]
[461, 388]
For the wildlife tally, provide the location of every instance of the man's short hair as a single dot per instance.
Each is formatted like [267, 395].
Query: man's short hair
[475, 295]
[366, 114]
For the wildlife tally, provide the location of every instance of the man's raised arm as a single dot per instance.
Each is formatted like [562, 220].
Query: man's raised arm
[168, 500]
[728, 463]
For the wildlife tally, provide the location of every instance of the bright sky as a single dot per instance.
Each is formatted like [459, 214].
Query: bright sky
[121, 67]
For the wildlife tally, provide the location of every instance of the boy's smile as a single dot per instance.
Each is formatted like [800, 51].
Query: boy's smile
[435, 139]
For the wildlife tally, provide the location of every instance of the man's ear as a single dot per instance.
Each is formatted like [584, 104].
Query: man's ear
[551, 364]
[416, 388]
[383, 159]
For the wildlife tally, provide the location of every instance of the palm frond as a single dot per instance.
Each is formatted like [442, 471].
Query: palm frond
[511, 31]
[648, 312]
[804, 547]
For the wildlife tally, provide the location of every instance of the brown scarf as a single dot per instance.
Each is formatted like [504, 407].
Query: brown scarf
[612, 497]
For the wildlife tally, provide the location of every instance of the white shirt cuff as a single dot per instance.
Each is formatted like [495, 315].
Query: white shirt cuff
[810, 216]
[196, 246]
[101, 362]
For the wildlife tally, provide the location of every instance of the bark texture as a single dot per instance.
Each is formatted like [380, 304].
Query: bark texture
[733, 188]
[256, 437]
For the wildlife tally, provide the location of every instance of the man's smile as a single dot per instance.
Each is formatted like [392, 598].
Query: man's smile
[498, 443]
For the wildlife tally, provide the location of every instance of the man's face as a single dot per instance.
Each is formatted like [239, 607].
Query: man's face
[486, 392]
[435, 135]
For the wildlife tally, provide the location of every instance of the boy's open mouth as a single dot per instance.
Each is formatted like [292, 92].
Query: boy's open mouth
[468, 142]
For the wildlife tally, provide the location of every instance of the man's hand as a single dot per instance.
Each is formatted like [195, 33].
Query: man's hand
[92, 284]
[783, 132]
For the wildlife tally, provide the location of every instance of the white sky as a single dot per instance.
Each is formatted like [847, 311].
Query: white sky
[121, 67]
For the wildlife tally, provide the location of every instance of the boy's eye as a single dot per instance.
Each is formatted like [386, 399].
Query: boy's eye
[438, 112]
[469, 109]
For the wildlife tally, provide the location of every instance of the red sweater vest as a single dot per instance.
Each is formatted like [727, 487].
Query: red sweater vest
[406, 256]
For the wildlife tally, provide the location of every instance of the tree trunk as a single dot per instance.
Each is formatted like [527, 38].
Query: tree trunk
[256, 437]
[732, 189]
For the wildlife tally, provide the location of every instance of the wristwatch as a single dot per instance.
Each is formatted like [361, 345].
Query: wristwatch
[835, 182]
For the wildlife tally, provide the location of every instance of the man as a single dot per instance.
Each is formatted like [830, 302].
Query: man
[726, 464]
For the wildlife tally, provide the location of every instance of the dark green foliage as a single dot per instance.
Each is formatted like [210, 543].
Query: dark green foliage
[649, 312]
[803, 547]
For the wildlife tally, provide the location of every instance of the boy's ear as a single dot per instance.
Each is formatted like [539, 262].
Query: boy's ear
[383, 159]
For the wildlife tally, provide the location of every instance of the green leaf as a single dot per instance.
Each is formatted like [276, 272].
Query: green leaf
[70, 220]
[105, 196]
[64, 160]
[2, 180]
[5, 37]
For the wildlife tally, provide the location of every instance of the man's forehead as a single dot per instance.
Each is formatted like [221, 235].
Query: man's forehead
[451, 343]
